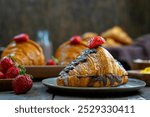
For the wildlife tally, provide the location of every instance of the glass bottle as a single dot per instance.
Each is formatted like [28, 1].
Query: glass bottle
[43, 39]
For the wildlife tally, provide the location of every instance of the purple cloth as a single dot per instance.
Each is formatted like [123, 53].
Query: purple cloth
[138, 50]
[144, 43]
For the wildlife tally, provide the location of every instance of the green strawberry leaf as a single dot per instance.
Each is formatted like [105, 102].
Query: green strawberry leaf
[31, 76]
[22, 70]
[55, 59]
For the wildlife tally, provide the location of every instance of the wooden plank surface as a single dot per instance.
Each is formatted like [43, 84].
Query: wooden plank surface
[133, 97]
[142, 94]
[38, 92]
[113, 96]
[146, 93]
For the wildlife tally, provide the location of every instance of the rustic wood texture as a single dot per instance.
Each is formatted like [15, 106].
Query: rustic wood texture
[40, 92]
[64, 18]
[41, 72]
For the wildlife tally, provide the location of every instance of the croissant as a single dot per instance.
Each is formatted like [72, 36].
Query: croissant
[93, 68]
[111, 43]
[68, 52]
[25, 53]
[118, 35]
[88, 35]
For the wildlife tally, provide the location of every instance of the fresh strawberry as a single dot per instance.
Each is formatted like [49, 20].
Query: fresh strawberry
[96, 41]
[6, 63]
[2, 75]
[1, 69]
[75, 40]
[22, 84]
[51, 62]
[21, 38]
[12, 72]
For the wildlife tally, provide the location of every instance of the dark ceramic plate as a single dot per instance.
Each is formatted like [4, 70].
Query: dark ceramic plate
[132, 85]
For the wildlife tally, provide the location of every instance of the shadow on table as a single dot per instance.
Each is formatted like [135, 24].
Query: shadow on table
[94, 95]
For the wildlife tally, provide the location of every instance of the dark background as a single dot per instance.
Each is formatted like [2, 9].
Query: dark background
[64, 18]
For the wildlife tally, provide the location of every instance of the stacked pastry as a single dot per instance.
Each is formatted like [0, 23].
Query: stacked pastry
[115, 37]
[95, 67]
[24, 51]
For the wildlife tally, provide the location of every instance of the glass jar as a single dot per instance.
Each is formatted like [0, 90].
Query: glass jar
[43, 39]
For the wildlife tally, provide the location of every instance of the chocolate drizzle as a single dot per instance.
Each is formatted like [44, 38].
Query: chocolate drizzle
[88, 51]
[69, 67]
[79, 59]
[104, 78]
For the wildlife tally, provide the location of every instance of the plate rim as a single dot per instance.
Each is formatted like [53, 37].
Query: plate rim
[94, 88]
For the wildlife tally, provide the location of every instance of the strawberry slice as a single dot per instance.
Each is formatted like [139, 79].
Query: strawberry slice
[96, 41]
[75, 40]
[21, 38]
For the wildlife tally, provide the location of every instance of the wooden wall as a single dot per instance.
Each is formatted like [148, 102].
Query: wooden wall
[64, 18]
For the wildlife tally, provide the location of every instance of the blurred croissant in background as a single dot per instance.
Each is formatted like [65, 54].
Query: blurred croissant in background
[68, 51]
[115, 37]
[88, 35]
[25, 53]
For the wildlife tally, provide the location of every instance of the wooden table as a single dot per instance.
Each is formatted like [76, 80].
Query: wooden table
[40, 92]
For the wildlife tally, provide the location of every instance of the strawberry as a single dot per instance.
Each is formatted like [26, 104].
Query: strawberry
[6, 63]
[12, 72]
[51, 62]
[1, 69]
[22, 84]
[96, 41]
[21, 38]
[2, 75]
[75, 40]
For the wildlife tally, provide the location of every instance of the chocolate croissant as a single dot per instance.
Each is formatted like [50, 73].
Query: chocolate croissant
[25, 53]
[93, 68]
[68, 52]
